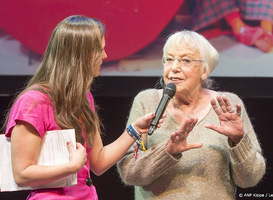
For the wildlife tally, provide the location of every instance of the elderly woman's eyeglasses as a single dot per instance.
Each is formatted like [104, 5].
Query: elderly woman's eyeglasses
[184, 62]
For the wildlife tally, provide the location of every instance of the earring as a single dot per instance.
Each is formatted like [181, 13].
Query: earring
[203, 77]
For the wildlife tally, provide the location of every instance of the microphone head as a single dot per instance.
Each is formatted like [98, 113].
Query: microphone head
[170, 90]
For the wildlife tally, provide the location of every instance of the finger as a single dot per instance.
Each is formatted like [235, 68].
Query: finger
[79, 146]
[213, 127]
[190, 126]
[164, 116]
[143, 122]
[215, 107]
[69, 146]
[221, 103]
[187, 127]
[149, 116]
[174, 135]
[161, 121]
[229, 107]
[184, 125]
[194, 121]
[195, 145]
[238, 109]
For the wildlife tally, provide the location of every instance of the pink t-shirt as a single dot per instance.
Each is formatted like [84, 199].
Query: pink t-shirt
[35, 108]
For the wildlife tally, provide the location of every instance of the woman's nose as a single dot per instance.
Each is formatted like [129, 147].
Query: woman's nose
[176, 66]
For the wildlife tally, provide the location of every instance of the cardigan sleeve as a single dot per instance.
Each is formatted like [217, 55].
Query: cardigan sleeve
[247, 162]
[150, 164]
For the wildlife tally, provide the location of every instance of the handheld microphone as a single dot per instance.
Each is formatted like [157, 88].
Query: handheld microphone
[168, 93]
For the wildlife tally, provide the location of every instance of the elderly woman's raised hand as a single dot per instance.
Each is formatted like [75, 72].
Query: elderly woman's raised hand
[177, 142]
[230, 119]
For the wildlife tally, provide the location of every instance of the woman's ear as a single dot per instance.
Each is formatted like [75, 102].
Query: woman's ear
[205, 74]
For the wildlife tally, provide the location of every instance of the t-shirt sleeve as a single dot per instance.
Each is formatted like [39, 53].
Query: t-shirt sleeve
[91, 100]
[32, 107]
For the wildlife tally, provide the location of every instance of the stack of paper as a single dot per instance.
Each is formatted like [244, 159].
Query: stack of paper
[53, 152]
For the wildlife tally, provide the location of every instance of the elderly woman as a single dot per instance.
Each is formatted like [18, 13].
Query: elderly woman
[206, 145]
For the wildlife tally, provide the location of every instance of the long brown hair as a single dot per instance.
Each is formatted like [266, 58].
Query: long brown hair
[66, 73]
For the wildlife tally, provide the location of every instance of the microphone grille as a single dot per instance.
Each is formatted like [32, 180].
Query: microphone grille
[170, 89]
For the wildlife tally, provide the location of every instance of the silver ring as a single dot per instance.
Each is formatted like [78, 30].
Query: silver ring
[232, 110]
[239, 114]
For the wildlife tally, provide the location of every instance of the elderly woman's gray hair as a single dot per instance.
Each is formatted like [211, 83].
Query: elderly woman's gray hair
[208, 53]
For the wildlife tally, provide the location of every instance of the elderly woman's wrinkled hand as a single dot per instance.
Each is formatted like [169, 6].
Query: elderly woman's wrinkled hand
[177, 142]
[230, 119]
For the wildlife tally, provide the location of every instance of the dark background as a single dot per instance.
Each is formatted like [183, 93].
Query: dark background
[114, 96]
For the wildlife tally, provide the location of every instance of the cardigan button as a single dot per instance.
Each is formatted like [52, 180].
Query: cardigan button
[88, 181]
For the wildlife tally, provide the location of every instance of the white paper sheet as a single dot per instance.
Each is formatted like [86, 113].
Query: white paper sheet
[53, 152]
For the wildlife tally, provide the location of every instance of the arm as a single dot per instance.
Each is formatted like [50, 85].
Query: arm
[149, 164]
[247, 162]
[103, 157]
[25, 147]
[147, 167]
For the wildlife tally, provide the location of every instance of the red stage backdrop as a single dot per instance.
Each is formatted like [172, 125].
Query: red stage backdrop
[130, 24]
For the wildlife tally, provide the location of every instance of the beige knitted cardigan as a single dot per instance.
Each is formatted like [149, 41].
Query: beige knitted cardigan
[210, 172]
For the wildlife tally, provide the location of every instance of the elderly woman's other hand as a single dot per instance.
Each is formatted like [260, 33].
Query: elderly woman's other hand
[230, 119]
[177, 142]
